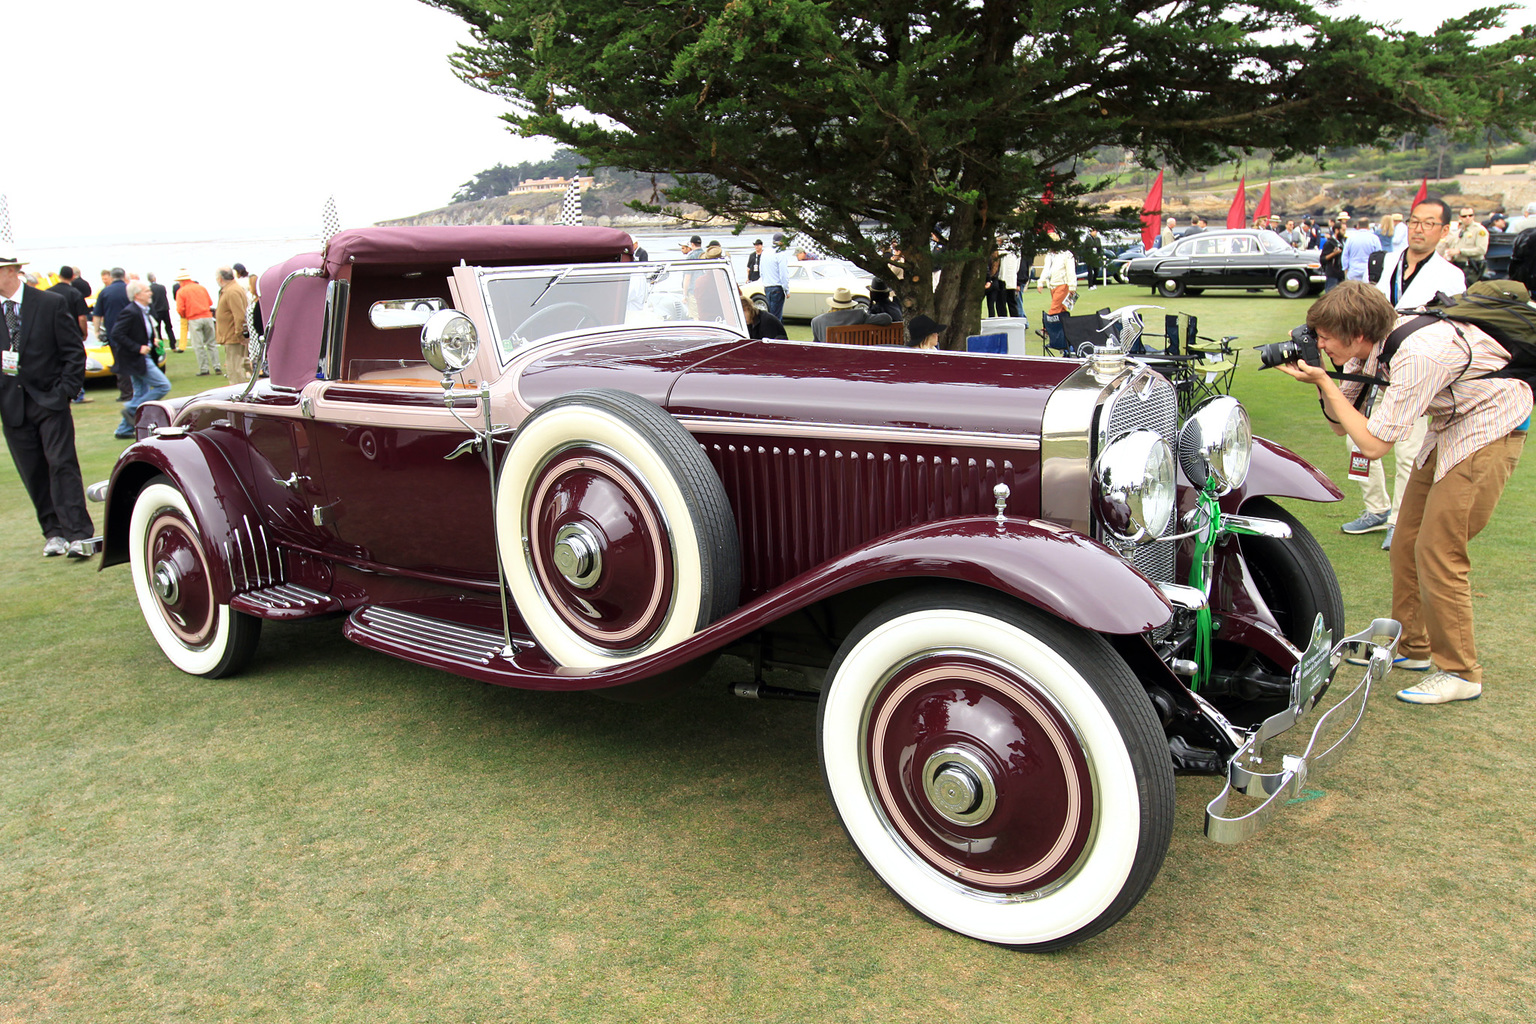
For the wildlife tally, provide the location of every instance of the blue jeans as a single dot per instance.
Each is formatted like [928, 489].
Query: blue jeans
[149, 386]
[775, 296]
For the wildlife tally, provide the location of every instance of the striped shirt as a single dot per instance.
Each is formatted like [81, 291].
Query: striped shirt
[1430, 375]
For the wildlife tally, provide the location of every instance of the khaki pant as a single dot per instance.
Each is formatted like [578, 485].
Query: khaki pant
[201, 334]
[235, 361]
[1431, 595]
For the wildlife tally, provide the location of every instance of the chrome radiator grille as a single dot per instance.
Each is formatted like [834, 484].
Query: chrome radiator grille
[1146, 401]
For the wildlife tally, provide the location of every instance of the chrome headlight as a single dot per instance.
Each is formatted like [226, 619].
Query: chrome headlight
[1134, 486]
[448, 341]
[93, 365]
[1217, 443]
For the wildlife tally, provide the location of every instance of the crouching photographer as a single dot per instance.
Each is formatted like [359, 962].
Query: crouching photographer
[1474, 442]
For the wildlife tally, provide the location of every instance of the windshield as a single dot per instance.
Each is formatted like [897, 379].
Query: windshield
[1273, 242]
[528, 305]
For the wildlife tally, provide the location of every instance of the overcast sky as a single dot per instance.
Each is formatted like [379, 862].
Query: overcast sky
[172, 120]
[185, 120]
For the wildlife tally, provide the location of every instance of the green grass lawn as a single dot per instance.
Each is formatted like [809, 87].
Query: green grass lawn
[339, 836]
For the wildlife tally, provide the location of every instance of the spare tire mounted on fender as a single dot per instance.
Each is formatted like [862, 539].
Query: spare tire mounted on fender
[614, 530]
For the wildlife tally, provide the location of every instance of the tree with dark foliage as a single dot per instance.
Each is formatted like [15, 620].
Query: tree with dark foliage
[879, 124]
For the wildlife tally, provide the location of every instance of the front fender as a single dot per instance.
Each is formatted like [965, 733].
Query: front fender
[1049, 566]
[1278, 472]
[224, 512]
[1057, 570]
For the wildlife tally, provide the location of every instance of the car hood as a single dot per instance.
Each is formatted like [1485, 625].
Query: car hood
[803, 382]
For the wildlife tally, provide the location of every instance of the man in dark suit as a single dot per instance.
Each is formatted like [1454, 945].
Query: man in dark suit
[110, 302]
[131, 347]
[42, 365]
[160, 313]
[81, 284]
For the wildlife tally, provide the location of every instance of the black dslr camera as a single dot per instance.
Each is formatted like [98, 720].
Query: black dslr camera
[1302, 344]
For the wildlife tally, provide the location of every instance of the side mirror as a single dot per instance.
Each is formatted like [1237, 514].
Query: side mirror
[449, 341]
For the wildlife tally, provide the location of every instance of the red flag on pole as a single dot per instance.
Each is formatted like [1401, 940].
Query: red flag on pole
[1045, 201]
[1237, 213]
[1261, 212]
[1152, 214]
[1422, 194]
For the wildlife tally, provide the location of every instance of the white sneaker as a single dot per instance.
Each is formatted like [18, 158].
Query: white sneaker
[1441, 688]
[55, 546]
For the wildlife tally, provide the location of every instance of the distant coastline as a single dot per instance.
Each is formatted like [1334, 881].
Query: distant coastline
[602, 205]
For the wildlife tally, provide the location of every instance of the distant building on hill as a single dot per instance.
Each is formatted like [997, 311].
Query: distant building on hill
[551, 184]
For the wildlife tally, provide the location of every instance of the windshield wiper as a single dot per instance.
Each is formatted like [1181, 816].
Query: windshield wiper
[552, 282]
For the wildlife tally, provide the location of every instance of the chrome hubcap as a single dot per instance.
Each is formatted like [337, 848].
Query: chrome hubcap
[578, 555]
[164, 582]
[959, 787]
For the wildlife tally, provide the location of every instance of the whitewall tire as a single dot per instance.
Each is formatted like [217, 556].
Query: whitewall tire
[614, 531]
[1003, 773]
[174, 584]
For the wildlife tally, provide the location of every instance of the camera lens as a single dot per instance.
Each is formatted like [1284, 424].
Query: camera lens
[1278, 352]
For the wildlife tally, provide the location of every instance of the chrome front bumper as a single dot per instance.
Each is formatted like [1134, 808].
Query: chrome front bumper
[1310, 679]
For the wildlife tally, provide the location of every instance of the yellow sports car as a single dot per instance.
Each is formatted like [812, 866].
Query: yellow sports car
[99, 360]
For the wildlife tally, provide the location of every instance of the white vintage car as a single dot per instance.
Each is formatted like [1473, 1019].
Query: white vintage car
[811, 284]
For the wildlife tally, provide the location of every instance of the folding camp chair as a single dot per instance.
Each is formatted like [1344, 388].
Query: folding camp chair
[1216, 368]
[1088, 329]
[994, 343]
[1175, 364]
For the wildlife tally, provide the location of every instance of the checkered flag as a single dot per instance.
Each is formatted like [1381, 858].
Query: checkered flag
[570, 206]
[330, 221]
[812, 250]
[5, 224]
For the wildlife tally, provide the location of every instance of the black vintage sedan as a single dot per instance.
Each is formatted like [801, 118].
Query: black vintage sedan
[1246, 258]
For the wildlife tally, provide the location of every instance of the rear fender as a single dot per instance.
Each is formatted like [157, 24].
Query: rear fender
[239, 551]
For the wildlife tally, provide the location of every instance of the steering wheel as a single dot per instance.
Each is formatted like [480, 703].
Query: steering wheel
[526, 330]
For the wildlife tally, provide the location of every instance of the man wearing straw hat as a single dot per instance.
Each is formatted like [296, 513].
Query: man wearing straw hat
[842, 309]
[42, 366]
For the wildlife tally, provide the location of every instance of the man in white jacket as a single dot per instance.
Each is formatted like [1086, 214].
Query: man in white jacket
[1409, 278]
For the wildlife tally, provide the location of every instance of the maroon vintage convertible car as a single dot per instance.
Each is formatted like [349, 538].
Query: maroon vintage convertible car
[1022, 591]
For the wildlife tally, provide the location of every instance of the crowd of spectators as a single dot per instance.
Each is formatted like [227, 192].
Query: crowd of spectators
[130, 332]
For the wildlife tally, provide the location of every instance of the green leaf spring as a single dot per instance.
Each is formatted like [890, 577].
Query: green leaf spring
[1199, 568]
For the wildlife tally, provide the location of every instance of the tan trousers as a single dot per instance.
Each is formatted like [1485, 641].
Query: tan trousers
[1431, 595]
[235, 364]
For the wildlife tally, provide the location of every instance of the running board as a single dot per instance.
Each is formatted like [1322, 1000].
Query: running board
[463, 638]
[285, 602]
[424, 639]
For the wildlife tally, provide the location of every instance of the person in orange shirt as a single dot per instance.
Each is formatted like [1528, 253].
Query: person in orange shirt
[195, 306]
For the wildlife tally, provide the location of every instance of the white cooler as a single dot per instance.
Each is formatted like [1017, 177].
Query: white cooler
[1016, 327]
